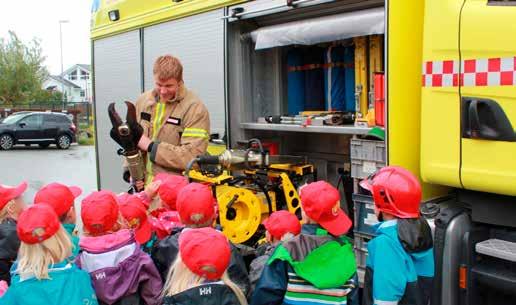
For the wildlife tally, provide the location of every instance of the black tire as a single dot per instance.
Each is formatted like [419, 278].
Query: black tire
[6, 142]
[44, 145]
[63, 141]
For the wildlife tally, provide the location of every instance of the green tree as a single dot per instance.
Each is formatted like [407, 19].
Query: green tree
[22, 71]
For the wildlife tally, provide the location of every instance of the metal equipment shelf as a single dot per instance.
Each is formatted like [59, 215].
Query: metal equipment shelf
[348, 129]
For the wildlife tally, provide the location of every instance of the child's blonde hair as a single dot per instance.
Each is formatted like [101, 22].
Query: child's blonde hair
[180, 278]
[34, 259]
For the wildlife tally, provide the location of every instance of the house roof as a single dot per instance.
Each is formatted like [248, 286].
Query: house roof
[85, 67]
[63, 81]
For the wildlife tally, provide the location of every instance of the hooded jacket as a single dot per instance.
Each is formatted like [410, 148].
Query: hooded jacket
[9, 245]
[400, 264]
[313, 267]
[165, 253]
[212, 293]
[119, 269]
[68, 285]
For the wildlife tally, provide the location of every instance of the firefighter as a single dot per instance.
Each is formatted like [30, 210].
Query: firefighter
[175, 122]
[400, 265]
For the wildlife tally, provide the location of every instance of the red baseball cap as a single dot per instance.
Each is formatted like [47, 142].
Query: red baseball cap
[195, 204]
[282, 222]
[320, 202]
[8, 193]
[37, 223]
[99, 212]
[170, 187]
[133, 210]
[193, 246]
[59, 196]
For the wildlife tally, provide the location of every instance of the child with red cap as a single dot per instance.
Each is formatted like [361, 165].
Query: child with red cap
[198, 276]
[163, 216]
[169, 188]
[400, 262]
[120, 271]
[280, 226]
[133, 210]
[318, 265]
[43, 275]
[196, 208]
[62, 199]
[11, 205]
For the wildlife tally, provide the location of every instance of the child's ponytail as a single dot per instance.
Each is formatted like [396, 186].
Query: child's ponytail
[34, 259]
[236, 290]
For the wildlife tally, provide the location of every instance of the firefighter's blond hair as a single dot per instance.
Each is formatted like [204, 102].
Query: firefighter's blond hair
[167, 67]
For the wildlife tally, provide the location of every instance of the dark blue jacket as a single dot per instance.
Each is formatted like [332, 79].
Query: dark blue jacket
[397, 271]
[272, 286]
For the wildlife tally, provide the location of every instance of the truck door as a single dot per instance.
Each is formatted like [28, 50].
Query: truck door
[440, 100]
[488, 96]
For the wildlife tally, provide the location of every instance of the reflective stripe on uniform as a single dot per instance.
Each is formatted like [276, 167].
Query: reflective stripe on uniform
[195, 133]
[157, 122]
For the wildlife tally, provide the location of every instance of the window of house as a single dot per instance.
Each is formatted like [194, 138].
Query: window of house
[83, 94]
[73, 75]
[85, 75]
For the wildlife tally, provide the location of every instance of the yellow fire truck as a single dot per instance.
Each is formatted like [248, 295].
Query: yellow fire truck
[449, 117]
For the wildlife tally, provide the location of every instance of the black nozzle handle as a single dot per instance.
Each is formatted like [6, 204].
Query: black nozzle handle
[207, 159]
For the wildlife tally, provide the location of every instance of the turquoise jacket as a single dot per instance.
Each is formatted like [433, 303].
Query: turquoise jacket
[70, 228]
[68, 285]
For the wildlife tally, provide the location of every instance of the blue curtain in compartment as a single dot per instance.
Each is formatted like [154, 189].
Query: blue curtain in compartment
[313, 60]
[339, 78]
[295, 81]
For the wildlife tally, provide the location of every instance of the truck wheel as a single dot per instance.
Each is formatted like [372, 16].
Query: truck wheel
[63, 142]
[6, 142]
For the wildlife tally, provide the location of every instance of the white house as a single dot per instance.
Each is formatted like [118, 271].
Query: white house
[75, 81]
[57, 83]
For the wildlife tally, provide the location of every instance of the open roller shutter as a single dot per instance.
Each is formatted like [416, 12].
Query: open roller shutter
[198, 41]
[117, 68]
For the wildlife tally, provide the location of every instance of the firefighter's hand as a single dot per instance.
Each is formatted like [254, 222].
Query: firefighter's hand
[136, 130]
[144, 143]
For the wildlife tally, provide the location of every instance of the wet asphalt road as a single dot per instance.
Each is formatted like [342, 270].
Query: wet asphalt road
[75, 166]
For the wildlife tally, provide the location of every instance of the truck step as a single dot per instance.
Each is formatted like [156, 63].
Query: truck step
[497, 248]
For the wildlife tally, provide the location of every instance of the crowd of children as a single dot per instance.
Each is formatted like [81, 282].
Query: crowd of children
[162, 246]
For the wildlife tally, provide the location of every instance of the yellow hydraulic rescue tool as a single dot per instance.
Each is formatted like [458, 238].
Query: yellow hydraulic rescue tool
[249, 185]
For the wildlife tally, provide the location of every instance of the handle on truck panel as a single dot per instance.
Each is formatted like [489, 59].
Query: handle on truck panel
[485, 119]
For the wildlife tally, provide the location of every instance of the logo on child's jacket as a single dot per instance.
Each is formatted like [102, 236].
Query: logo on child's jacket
[205, 291]
[100, 276]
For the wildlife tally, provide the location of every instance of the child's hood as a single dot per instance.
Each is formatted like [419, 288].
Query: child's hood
[9, 242]
[99, 244]
[322, 260]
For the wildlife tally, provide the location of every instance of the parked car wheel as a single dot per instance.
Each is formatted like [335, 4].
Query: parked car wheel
[6, 142]
[44, 145]
[63, 142]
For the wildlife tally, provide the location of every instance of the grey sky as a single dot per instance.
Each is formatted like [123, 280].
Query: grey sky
[36, 18]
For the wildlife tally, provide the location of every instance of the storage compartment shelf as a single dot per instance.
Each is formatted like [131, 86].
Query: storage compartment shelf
[349, 129]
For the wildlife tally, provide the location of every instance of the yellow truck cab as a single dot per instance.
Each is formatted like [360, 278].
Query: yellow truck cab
[450, 105]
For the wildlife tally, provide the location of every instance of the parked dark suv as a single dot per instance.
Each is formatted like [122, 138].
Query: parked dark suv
[42, 128]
